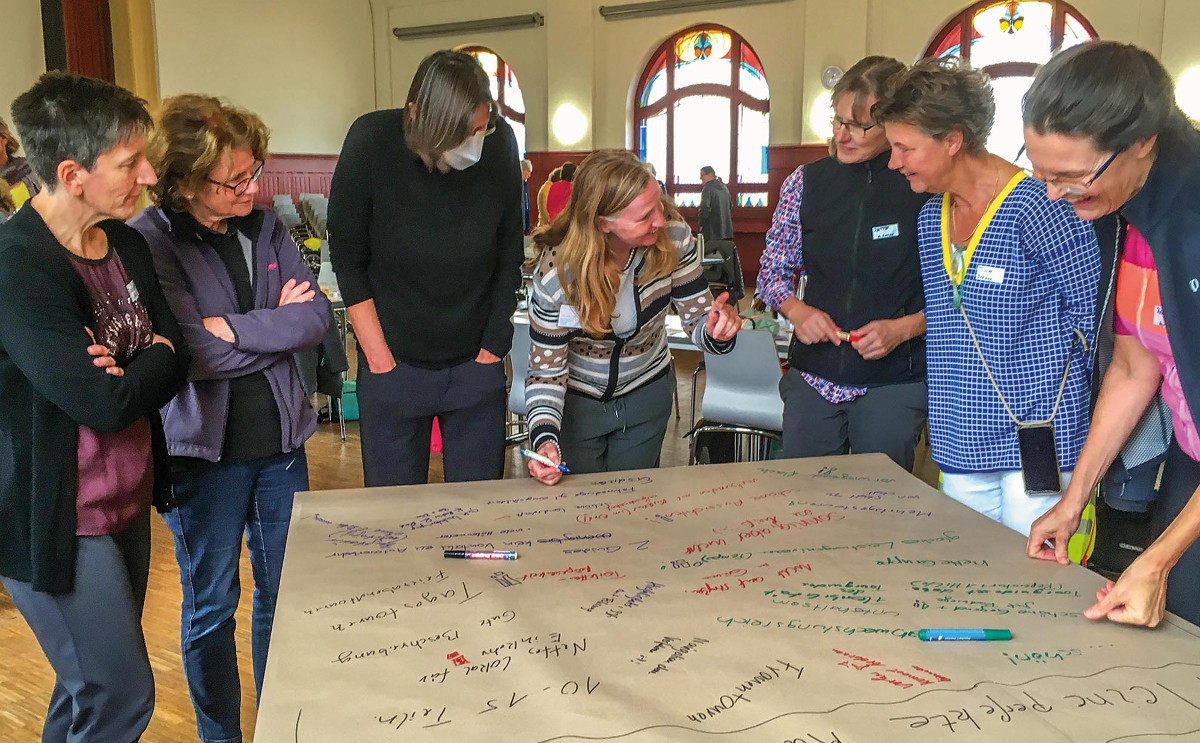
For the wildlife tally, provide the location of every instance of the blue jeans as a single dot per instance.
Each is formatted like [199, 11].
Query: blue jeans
[220, 503]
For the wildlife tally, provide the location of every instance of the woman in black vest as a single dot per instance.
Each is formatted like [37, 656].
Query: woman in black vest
[857, 376]
[1103, 131]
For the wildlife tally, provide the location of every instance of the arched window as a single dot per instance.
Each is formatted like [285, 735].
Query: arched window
[505, 89]
[704, 100]
[1008, 40]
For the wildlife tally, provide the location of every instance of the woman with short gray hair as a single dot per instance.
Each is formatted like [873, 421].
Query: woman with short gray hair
[1104, 133]
[1010, 289]
[89, 352]
[426, 239]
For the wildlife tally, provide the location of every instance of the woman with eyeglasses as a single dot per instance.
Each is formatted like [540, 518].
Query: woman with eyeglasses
[246, 303]
[426, 237]
[1010, 283]
[1104, 132]
[857, 376]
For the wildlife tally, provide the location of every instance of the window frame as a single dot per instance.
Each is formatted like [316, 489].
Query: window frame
[732, 91]
[502, 70]
[1059, 10]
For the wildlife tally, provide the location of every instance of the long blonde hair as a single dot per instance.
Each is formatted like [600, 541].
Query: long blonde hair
[606, 182]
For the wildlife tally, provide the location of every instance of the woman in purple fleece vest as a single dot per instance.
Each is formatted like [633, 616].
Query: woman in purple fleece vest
[235, 280]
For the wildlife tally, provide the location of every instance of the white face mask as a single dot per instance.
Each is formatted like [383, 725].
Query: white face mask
[466, 154]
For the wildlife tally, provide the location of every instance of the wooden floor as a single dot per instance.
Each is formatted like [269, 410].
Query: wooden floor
[26, 680]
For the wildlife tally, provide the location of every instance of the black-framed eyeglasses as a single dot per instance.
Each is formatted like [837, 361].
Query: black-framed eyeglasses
[1072, 185]
[856, 130]
[240, 187]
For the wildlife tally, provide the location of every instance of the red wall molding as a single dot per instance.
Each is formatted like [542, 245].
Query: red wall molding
[295, 174]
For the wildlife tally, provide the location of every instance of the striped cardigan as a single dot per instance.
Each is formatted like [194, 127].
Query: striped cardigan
[562, 358]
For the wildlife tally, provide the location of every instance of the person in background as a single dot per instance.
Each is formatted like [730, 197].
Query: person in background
[16, 171]
[560, 191]
[1104, 132]
[654, 174]
[543, 193]
[1010, 281]
[89, 352]
[434, 184]
[716, 220]
[716, 225]
[609, 267]
[526, 171]
[850, 224]
[235, 280]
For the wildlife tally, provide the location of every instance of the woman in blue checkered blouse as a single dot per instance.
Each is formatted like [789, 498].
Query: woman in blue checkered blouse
[1010, 292]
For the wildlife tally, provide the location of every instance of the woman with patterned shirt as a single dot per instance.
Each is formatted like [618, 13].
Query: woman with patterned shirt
[856, 381]
[610, 265]
[1010, 293]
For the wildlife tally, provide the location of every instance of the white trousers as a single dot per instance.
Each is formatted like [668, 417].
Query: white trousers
[1001, 496]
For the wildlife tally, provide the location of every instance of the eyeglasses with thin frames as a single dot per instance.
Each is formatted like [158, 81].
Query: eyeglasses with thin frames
[1078, 187]
[858, 131]
[240, 187]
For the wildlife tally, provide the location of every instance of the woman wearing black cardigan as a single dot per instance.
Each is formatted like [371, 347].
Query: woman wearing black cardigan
[89, 352]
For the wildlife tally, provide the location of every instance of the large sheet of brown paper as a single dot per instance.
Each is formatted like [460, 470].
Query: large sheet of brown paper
[769, 602]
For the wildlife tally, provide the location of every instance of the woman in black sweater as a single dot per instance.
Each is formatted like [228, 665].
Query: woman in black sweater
[426, 238]
[89, 352]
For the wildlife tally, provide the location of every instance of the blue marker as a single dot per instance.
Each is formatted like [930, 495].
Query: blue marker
[544, 460]
[931, 635]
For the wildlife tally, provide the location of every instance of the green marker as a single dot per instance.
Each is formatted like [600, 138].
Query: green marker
[931, 635]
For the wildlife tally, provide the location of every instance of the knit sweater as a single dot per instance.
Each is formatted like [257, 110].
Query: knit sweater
[563, 357]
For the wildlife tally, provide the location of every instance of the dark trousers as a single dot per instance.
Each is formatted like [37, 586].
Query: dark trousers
[1180, 480]
[92, 636]
[886, 420]
[396, 412]
[625, 433]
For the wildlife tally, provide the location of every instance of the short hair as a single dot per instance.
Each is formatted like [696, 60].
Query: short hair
[1114, 94]
[556, 175]
[193, 132]
[527, 165]
[940, 96]
[446, 90]
[651, 168]
[65, 116]
[868, 76]
[11, 143]
[708, 170]
[568, 171]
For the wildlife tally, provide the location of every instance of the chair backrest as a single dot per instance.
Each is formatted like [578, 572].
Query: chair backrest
[519, 358]
[742, 386]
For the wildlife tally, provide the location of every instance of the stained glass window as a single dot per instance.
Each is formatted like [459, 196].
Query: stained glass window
[704, 100]
[505, 90]
[1008, 41]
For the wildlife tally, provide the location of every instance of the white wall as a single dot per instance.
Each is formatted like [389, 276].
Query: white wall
[305, 66]
[24, 55]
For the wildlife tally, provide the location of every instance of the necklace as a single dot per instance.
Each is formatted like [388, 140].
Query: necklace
[953, 222]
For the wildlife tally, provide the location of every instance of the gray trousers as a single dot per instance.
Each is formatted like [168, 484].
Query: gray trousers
[886, 420]
[92, 636]
[625, 433]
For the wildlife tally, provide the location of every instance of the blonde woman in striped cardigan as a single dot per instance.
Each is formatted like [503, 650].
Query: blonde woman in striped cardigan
[609, 267]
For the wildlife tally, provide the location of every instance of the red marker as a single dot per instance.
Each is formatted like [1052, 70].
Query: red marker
[848, 336]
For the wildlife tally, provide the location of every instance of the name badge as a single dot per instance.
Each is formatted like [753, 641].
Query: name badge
[993, 274]
[884, 231]
[567, 317]
[1159, 320]
[132, 289]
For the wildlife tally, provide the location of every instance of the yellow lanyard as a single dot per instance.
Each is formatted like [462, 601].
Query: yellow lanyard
[980, 228]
